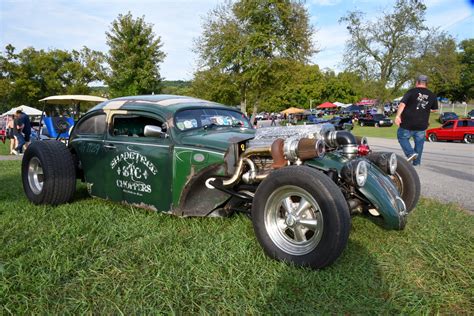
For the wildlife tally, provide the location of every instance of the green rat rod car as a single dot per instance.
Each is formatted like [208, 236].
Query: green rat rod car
[190, 157]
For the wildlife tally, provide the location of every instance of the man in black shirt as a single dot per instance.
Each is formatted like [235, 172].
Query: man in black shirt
[413, 117]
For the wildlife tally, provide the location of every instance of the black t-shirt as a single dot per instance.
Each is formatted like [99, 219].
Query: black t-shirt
[418, 104]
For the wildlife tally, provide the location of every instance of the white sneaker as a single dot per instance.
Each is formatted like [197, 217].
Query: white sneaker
[412, 157]
[14, 152]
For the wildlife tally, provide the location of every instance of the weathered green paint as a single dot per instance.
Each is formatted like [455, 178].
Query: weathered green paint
[187, 163]
[169, 163]
[378, 189]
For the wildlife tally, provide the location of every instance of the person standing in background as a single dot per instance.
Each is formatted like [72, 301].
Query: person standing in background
[24, 125]
[11, 131]
[413, 118]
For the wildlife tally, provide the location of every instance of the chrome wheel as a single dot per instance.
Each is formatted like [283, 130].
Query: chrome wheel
[35, 175]
[469, 138]
[293, 220]
[432, 138]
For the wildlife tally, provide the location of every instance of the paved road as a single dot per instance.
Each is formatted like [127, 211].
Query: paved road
[446, 171]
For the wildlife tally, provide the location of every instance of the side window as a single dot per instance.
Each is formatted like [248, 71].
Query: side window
[462, 123]
[449, 124]
[470, 123]
[131, 125]
[94, 125]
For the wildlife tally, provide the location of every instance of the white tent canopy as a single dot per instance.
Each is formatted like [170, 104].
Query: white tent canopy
[72, 99]
[342, 105]
[25, 109]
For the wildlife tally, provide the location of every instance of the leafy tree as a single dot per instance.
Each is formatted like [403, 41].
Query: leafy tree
[243, 42]
[214, 85]
[176, 87]
[439, 60]
[381, 49]
[466, 58]
[134, 57]
[30, 75]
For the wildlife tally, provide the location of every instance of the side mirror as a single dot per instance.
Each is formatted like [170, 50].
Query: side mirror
[154, 131]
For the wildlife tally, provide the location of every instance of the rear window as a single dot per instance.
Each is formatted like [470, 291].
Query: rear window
[466, 123]
[94, 125]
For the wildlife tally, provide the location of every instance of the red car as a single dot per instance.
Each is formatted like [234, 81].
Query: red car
[453, 130]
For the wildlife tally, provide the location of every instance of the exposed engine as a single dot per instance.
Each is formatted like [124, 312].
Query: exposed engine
[276, 147]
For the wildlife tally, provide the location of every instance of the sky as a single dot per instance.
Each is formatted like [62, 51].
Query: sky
[71, 24]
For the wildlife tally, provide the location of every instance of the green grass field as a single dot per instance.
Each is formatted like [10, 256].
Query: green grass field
[94, 256]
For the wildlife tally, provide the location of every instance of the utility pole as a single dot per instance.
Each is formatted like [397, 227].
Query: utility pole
[311, 104]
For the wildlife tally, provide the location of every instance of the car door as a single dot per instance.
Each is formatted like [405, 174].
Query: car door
[445, 132]
[138, 167]
[461, 129]
[87, 142]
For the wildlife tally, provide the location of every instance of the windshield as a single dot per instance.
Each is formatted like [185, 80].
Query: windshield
[379, 116]
[208, 118]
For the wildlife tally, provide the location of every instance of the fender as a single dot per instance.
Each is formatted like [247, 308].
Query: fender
[378, 189]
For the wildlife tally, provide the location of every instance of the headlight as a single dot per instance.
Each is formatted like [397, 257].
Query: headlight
[392, 164]
[361, 173]
[381, 122]
[387, 162]
[355, 172]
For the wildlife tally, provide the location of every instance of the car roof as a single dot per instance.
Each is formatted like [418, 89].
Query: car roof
[164, 104]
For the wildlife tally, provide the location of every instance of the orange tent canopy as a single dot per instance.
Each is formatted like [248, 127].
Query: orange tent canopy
[327, 105]
[292, 110]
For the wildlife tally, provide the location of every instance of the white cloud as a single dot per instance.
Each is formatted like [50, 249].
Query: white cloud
[325, 2]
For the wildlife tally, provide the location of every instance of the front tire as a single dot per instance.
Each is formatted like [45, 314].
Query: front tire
[432, 138]
[299, 215]
[48, 173]
[469, 138]
[407, 182]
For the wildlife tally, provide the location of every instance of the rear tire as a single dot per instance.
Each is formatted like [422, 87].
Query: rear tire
[407, 182]
[377, 125]
[432, 138]
[48, 173]
[299, 215]
[469, 138]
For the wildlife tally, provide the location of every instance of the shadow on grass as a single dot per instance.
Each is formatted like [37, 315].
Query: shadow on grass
[353, 284]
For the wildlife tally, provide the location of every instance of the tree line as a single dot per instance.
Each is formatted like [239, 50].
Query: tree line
[256, 54]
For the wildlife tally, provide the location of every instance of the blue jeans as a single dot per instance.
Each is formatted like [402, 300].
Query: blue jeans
[21, 142]
[404, 136]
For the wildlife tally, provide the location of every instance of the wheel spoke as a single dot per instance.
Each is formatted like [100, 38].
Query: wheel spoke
[311, 224]
[281, 223]
[299, 233]
[303, 206]
[288, 205]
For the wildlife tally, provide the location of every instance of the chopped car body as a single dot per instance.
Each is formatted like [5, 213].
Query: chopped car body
[192, 157]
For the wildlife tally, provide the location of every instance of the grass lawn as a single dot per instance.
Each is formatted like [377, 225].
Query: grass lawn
[5, 148]
[94, 256]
